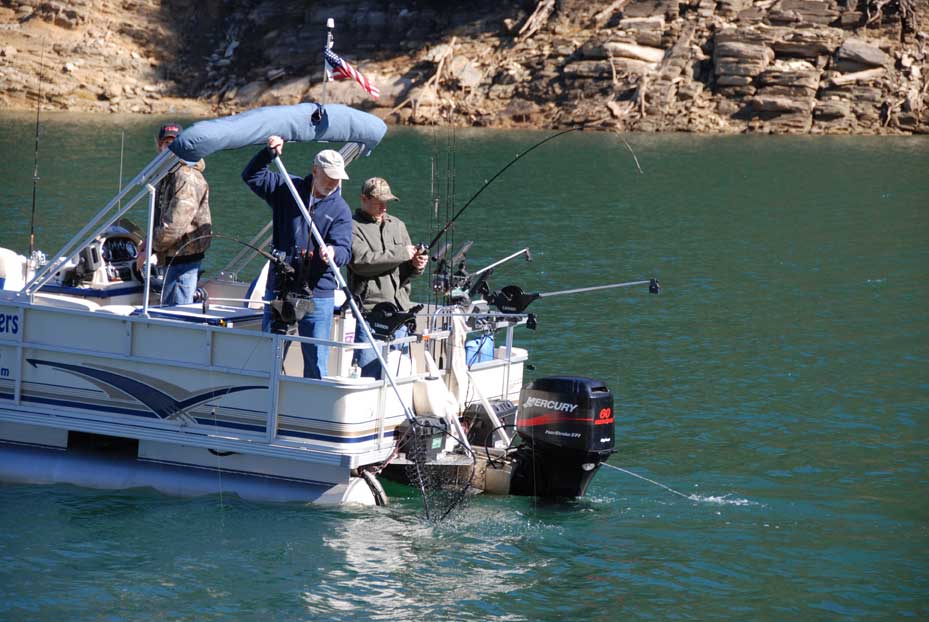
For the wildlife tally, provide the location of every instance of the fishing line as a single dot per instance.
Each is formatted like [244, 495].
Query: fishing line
[487, 183]
[633, 155]
[642, 477]
[721, 500]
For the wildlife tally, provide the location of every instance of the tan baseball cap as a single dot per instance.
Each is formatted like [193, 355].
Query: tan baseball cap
[331, 163]
[378, 188]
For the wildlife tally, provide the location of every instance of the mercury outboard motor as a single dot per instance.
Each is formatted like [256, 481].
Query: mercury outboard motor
[566, 424]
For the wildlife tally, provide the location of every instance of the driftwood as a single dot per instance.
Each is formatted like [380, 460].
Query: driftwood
[434, 80]
[539, 18]
[640, 94]
[848, 78]
[604, 16]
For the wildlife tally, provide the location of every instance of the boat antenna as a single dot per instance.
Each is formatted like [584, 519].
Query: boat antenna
[35, 168]
[491, 180]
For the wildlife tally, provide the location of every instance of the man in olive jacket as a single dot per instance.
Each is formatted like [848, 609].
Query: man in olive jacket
[384, 260]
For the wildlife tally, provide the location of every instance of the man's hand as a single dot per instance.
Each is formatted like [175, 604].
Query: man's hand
[276, 145]
[420, 260]
[326, 252]
[411, 251]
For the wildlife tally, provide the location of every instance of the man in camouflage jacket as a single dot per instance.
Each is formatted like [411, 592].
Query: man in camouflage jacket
[183, 227]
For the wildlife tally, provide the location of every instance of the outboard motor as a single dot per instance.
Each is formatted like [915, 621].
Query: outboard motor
[566, 423]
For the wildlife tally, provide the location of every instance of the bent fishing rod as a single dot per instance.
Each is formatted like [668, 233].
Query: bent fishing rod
[487, 183]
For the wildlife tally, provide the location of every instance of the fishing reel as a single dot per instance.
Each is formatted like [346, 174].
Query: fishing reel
[386, 318]
[293, 299]
[451, 276]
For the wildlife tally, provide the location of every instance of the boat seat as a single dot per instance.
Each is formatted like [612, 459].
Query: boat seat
[65, 302]
[256, 291]
[12, 270]
[217, 315]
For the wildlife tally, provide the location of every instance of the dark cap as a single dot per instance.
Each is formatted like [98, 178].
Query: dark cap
[169, 130]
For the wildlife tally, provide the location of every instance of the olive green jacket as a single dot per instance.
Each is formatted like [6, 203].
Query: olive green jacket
[380, 269]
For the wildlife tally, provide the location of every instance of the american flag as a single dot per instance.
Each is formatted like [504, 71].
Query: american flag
[338, 69]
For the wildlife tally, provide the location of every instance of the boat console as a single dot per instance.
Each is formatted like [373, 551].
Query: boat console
[104, 270]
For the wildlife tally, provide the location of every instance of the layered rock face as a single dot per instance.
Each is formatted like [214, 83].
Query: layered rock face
[780, 66]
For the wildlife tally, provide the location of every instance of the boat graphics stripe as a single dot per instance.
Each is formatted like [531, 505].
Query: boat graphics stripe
[160, 403]
[82, 405]
[302, 433]
[549, 418]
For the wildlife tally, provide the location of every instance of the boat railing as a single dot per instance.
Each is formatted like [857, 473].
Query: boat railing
[230, 356]
[150, 175]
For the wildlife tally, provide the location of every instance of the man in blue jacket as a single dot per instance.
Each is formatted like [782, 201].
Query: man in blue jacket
[321, 193]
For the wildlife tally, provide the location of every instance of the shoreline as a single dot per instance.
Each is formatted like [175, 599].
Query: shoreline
[713, 67]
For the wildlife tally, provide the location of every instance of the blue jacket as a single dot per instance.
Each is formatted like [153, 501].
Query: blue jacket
[290, 232]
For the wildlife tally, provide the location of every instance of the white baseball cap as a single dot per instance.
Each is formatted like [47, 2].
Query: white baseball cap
[331, 163]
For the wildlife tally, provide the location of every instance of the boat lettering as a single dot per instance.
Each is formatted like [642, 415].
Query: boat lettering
[560, 433]
[4, 372]
[9, 323]
[552, 404]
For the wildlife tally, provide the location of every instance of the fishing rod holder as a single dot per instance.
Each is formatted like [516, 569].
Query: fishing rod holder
[386, 318]
[512, 299]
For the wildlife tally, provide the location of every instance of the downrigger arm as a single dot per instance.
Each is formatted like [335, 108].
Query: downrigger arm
[512, 299]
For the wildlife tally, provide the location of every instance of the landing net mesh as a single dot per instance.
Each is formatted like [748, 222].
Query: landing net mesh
[444, 487]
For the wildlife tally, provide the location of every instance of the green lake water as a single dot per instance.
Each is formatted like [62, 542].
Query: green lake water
[780, 382]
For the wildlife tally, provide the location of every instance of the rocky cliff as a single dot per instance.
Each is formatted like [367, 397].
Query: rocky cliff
[784, 66]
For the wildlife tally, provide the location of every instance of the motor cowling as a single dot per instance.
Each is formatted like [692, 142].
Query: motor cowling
[566, 423]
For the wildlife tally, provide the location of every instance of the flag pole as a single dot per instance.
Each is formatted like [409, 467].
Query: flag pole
[330, 25]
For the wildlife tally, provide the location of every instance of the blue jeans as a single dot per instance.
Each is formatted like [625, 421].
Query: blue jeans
[367, 359]
[180, 283]
[317, 324]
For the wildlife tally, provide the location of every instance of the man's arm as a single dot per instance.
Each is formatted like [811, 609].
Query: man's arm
[259, 178]
[339, 236]
[181, 211]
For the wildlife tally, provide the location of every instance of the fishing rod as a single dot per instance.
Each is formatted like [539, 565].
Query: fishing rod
[269, 256]
[525, 252]
[122, 146]
[512, 299]
[487, 183]
[35, 168]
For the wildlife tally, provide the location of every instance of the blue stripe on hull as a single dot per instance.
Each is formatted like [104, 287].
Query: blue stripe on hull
[328, 438]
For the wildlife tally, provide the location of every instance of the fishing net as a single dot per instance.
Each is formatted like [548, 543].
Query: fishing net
[444, 485]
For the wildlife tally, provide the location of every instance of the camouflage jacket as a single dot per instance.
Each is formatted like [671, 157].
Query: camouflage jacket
[183, 227]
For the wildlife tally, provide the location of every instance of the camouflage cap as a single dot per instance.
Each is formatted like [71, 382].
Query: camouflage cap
[378, 188]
